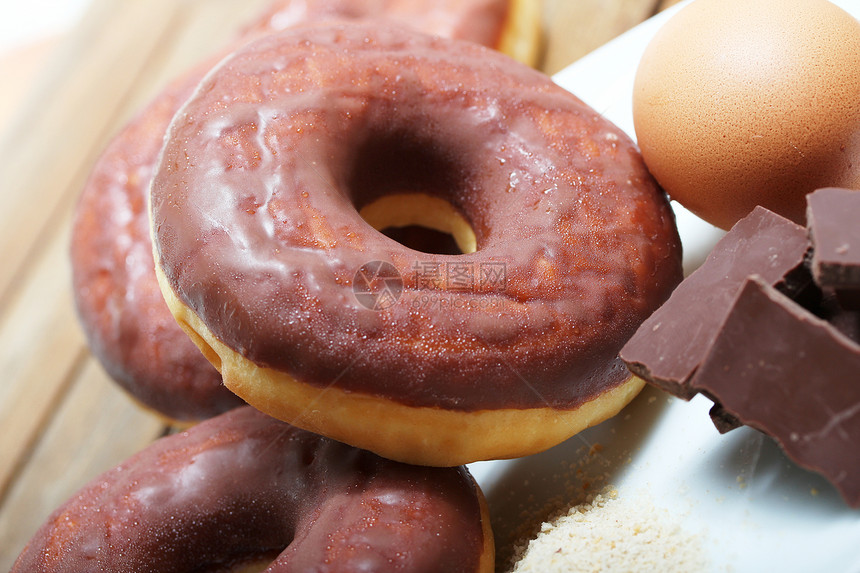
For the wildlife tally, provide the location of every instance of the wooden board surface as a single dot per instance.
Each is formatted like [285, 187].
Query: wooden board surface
[62, 421]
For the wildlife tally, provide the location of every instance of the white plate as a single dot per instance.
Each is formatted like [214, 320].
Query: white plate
[749, 507]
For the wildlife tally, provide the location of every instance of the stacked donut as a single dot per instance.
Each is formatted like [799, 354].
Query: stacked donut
[242, 491]
[271, 177]
[261, 247]
[126, 322]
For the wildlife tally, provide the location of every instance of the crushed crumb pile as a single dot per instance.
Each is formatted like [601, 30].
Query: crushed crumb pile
[608, 534]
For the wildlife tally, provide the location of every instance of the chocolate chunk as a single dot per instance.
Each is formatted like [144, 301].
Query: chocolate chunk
[773, 348]
[670, 345]
[778, 368]
[833, 217]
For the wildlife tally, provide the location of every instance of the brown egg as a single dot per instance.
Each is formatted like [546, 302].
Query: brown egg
[739, 103]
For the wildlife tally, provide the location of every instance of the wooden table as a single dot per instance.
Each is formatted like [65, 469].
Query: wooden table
[62, 420]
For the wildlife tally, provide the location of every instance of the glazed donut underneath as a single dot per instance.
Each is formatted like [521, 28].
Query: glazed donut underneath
[128, 327]
[510, 26]
[243, 488]
[259, 243]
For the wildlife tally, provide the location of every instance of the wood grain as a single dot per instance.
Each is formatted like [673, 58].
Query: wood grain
[62, 421]
[40, 343]
[60, 130]
[575, 28]
[20, 68]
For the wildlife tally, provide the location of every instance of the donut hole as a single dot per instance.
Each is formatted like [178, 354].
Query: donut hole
[421, 222]
[405, 185]
[257, 565]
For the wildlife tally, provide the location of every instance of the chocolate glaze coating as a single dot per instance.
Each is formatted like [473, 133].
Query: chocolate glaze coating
[243, 485]
[254, 210]
[127, 324]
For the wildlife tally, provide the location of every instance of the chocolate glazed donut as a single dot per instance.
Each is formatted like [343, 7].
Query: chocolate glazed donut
[510, 26]
[243, 488]
[122, 312]
[127, 325]
[258, 237]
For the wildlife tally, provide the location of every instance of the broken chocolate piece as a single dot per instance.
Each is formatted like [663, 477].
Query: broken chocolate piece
[670, 345]
[833, 217]
[778, 368]
[752, 331]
